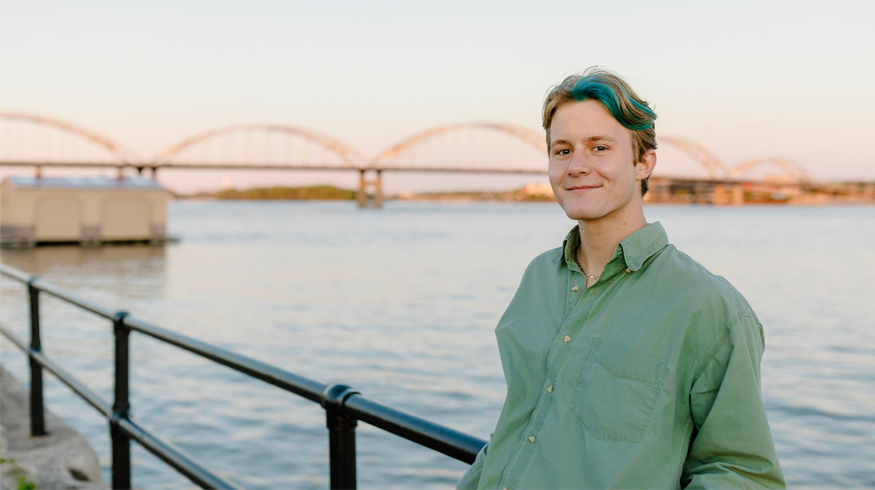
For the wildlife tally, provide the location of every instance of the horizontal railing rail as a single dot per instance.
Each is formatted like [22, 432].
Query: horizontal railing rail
[343, 405]
[299, 385]
[93, 399]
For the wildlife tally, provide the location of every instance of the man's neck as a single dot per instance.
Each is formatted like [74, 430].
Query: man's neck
[599, 238]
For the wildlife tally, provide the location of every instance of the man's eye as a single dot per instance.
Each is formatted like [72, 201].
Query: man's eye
[564, 151]
[600, 148]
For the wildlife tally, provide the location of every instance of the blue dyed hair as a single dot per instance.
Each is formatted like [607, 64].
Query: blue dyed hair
[633, 112]
[634, 115]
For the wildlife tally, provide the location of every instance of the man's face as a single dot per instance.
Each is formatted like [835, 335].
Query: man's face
[591, 162]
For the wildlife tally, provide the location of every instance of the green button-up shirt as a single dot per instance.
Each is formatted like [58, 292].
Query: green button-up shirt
[650, 378]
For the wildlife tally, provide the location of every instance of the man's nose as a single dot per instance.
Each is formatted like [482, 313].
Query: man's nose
[579, 164]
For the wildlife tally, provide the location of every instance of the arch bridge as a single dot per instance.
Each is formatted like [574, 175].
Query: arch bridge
[787, 170]
[37, 141]
[477, 147]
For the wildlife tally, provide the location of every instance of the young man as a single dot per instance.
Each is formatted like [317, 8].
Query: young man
[628, 364]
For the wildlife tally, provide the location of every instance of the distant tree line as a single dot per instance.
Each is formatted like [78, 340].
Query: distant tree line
[314, 192]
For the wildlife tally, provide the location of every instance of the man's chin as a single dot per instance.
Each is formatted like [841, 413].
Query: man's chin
[584, 214]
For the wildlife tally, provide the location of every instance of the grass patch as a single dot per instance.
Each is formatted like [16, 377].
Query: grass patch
[25, 484]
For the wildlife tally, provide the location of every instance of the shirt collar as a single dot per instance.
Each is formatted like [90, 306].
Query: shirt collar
[635, 248]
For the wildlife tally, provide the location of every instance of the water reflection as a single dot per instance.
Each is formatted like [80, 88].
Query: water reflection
[141, 268]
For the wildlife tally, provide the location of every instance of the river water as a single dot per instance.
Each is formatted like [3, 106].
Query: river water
[401, 303]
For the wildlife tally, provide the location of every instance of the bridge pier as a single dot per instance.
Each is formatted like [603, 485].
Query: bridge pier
[376, 198]
[737, 195]
[722, 195]
[728, 194]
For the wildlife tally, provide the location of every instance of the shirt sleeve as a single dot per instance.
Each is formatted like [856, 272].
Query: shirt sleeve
[471, 479]
[732, 445]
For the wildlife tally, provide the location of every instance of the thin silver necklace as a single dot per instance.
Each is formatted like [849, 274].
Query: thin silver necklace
[580, 264]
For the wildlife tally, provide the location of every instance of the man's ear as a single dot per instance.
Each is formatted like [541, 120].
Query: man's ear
[646, 165]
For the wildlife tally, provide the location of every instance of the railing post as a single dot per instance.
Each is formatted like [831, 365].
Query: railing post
[341, 437]
[121, 443]
[37, 411]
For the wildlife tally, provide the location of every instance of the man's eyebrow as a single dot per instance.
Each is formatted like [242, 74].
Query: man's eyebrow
[590, 139]
[559, 142]
[600, 138]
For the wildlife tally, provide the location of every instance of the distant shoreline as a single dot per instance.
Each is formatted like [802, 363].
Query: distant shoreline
[331, 193]
[463, 201]
[531, 193]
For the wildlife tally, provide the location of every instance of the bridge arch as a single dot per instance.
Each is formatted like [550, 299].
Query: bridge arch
[261, 154]
[120, 154]
[709, 162]
[789, 168]
[451, 138]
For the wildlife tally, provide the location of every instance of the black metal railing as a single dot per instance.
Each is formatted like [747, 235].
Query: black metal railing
[343, 405]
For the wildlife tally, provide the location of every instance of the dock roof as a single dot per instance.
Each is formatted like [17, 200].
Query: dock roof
[128, 183]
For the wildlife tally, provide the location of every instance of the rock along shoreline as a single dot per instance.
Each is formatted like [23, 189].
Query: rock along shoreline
[61, 459]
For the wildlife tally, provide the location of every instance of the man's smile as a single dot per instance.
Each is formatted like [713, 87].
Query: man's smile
[582, 188]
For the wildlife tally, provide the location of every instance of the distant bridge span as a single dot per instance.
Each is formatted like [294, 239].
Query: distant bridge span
[467, 147]
[709, 162]
[44, 132]
[477, 147]
[788, 167]
[284, 136]
[483, 147]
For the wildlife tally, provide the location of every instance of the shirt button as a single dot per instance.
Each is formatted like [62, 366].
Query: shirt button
[575, 288]
[567, 338]
[531, 438]
[628, 271]
[550, 389]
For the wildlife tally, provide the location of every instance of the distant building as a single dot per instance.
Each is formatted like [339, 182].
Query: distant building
[88, 210]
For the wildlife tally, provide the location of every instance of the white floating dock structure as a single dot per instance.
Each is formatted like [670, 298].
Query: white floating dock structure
[90, 210]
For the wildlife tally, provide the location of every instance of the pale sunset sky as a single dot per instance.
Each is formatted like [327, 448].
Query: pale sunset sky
[788, 79]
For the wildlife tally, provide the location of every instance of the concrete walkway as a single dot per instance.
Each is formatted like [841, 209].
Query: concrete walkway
[61, 459]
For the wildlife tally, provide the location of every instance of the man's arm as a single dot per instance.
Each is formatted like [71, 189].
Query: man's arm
[471, 479]
[732, 445]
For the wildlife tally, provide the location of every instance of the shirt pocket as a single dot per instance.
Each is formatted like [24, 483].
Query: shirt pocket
[616, 392]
